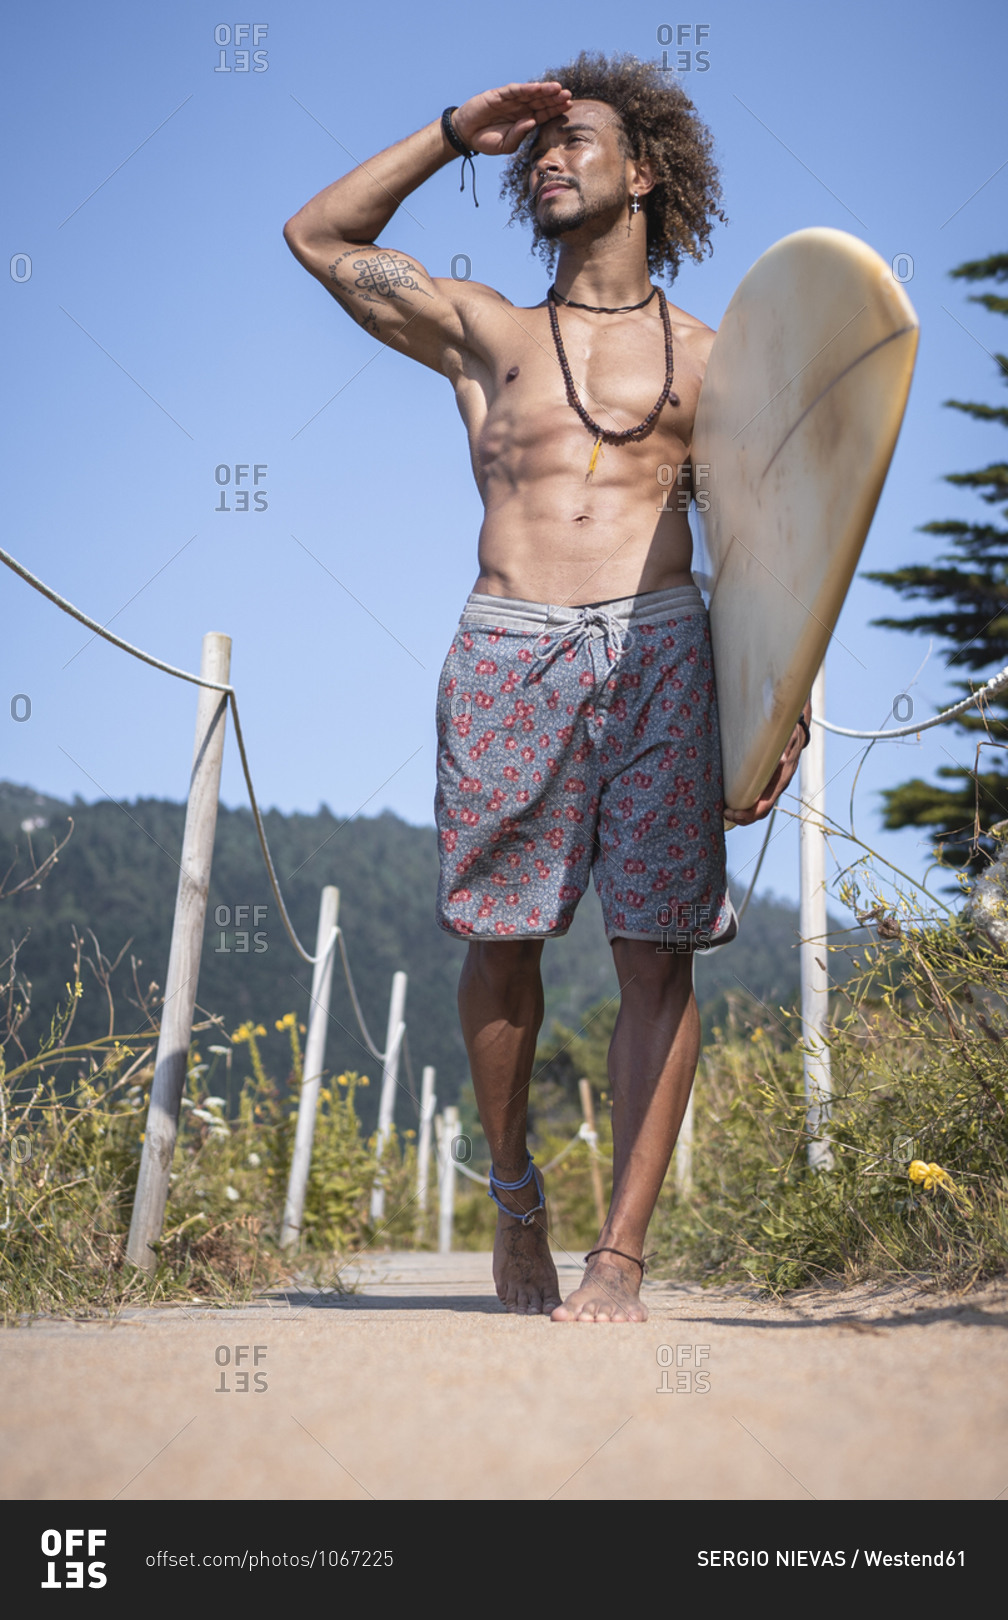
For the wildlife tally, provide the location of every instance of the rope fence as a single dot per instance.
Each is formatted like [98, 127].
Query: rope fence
[331, 936]
[229, 692]
[183, 966]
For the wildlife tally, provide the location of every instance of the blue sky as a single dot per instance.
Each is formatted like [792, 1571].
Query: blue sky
[165, 332]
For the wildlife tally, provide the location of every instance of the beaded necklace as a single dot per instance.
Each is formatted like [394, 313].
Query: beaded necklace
[609, 435]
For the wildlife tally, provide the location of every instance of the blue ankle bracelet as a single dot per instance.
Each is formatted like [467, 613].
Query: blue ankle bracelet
[531, 1174]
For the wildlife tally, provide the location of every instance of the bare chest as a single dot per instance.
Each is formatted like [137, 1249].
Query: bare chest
[610, 371]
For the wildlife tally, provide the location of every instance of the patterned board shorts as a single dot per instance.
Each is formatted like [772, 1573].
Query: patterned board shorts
[582, 739]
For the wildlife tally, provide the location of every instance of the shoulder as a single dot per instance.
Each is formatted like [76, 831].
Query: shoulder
[489, 321]
[692, 334]
[472, 295]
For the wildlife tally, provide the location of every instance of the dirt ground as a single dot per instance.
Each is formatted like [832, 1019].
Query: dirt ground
[420, 1386]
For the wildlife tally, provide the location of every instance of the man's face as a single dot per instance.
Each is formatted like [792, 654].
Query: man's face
[578, 168]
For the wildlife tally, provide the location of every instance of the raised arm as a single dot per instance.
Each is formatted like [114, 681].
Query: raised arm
[388, 292]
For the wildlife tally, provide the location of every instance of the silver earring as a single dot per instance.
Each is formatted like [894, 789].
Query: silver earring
[635, 205]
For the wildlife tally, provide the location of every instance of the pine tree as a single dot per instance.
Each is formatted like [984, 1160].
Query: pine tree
[969, 586]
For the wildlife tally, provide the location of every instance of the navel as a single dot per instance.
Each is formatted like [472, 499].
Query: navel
[512, 374]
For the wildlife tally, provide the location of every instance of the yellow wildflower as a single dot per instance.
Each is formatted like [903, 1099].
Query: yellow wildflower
[930, 1175]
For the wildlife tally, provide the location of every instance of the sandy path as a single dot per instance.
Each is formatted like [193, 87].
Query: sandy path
[420, 1386]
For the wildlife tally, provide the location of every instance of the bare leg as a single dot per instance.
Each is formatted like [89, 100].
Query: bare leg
[501, 1009]
[652, 1061]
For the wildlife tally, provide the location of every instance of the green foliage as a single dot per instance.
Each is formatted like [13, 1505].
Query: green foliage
[71, 1134]
[968, 586]
[342, 1172]
[919, 1129]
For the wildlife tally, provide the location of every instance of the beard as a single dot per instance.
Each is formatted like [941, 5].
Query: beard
[557, 223]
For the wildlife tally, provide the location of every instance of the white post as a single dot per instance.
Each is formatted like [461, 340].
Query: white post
[812, 928]
[390, 1071]
[446, 1178]
[428, 1103]
[684, 1152]
[183, 959]
[314, 1063]
[588, 1112]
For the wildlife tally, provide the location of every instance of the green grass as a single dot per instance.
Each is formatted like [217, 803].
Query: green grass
[918, 1130]
[71, 1134]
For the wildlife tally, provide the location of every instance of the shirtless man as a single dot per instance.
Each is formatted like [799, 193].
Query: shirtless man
[577, 720]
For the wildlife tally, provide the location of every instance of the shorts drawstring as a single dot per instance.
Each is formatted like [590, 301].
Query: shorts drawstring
[588, 623]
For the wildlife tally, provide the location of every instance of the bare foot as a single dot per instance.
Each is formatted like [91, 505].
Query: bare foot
[523, 1268]
[609, 1292]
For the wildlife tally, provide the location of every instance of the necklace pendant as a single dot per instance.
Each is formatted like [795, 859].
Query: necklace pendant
[596, 452]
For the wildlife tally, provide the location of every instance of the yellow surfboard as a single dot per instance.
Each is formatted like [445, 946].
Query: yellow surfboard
[797, 420]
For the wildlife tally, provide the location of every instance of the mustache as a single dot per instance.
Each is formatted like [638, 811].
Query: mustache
[568, 185]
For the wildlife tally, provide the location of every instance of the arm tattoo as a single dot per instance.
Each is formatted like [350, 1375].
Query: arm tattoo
[385, 273]
[383, 276]
[364, 317]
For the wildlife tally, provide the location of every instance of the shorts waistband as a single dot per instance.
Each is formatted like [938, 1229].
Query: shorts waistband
[513, 613]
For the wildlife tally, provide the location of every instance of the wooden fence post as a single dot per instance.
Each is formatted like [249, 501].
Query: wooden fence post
[183, 959]
[390, 1071]
[446, 1178]
[588, 1110]
[314, 1063]
[684, 1151]
[812, 929]
[428, 1103]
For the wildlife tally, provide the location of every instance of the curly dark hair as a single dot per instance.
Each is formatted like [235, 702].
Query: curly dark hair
[657, 122]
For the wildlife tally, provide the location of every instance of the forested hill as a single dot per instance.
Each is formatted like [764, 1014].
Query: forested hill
[118, 874]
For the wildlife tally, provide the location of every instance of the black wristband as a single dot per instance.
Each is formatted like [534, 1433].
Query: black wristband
[801, 721]
[451, 133]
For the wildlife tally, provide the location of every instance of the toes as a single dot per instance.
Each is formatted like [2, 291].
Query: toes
[584, 1305]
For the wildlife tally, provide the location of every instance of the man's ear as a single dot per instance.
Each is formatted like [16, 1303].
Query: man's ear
[642, 177]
